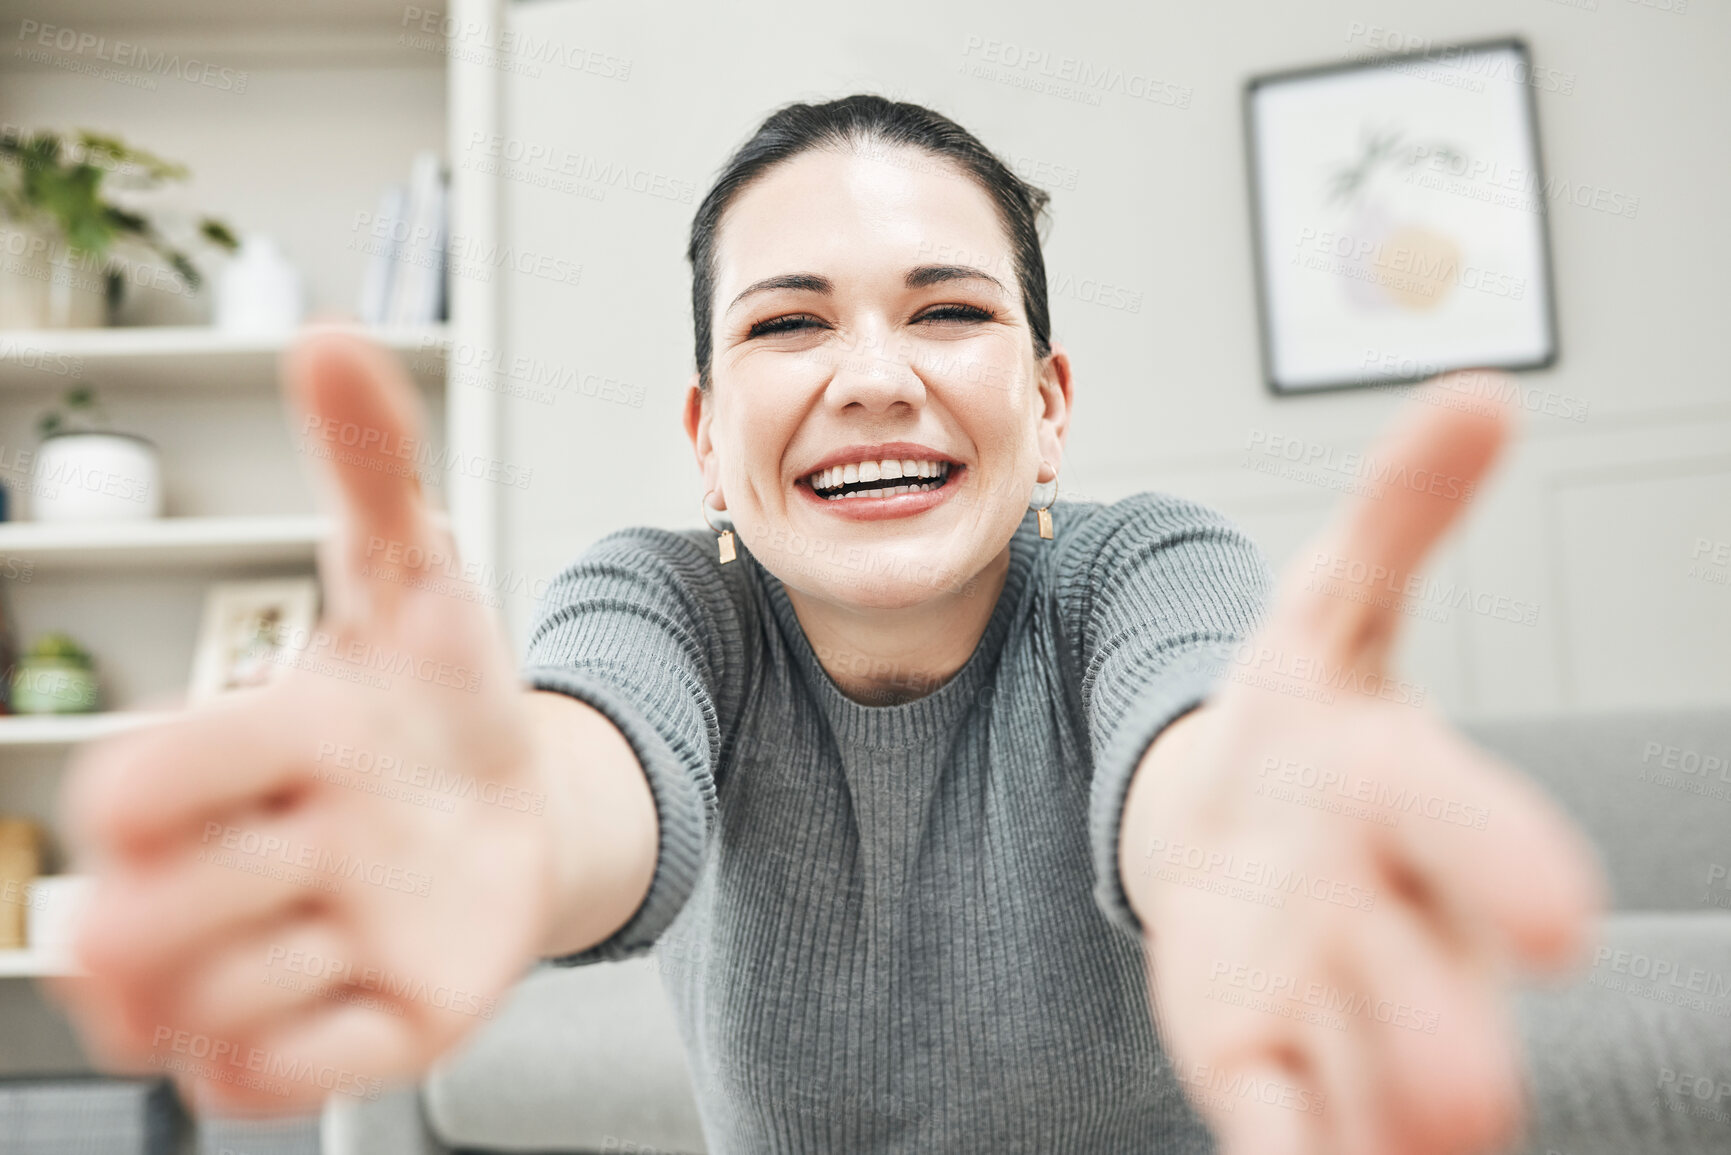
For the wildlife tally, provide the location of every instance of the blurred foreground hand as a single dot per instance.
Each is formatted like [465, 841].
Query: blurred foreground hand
[1333, 884]
[321, 885]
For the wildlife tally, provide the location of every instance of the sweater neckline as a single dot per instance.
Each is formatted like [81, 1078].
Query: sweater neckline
[908, 724]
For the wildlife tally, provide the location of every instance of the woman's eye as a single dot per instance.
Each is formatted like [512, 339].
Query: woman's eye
[788, 324]
[955, 313]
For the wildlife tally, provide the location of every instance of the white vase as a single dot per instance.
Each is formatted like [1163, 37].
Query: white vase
[45, 285]
[96, 477]
[52, 919]
[259, 291]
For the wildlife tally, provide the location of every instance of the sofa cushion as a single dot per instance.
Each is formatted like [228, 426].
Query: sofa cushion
[1634, 1056]
[584, 1059]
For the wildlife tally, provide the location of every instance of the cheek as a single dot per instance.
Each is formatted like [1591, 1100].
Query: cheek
[992, 398]
[992, 374]
[760, 421]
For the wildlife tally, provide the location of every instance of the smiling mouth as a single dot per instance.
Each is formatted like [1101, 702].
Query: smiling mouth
[886, 478]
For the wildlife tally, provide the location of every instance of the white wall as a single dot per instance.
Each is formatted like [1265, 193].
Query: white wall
[1594, 521]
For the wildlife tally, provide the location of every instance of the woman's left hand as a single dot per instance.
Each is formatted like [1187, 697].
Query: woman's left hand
[1333, 884]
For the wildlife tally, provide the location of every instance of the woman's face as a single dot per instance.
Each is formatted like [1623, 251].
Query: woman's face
[877, 417]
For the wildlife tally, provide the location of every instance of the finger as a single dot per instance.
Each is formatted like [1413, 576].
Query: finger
[1254, 1127]
[1446, 1070]
[149, 920]
[1342, 1072]
[1424, 473]
[1486, 853]
[132, 793]
[265, 978]
[114, 1031]
[1244, 1064]
[337, 1050]
[360, 416]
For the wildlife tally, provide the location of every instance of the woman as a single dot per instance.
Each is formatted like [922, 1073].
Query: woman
[925, 782]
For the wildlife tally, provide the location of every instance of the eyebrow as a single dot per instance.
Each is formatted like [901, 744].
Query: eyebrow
[937, 274]
[917, 278]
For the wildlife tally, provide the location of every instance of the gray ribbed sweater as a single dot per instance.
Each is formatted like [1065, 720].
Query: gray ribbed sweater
[900, 928]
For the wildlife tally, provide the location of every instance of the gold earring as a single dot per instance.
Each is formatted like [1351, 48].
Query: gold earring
[724, 537]
[1048, 490]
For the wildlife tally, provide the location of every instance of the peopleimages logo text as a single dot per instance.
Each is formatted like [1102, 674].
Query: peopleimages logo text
[125, 54]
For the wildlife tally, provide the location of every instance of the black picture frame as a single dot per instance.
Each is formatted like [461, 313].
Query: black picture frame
[1260, 255]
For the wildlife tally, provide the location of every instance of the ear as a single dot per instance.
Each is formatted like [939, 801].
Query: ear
[1054, 413]
[699, 411]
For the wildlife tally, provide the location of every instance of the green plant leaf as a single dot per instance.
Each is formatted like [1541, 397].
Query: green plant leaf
[59, 182]
[218, 233]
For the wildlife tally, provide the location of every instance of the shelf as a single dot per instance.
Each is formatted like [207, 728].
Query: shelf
[164, 542]
[181, 357]
[15, 964]
[178, 14]
[68, 729]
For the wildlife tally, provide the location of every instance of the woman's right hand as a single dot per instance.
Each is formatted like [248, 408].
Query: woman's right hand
[323, 884]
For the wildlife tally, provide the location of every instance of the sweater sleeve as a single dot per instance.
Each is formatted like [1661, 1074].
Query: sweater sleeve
[643, 627]
[1154, 593]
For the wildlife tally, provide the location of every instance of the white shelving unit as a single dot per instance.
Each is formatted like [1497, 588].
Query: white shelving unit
[70, 729]
[19, 964]
[182, 542]
[185, 356]
[329, 83]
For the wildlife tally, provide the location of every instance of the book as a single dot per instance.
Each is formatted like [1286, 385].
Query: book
[420, 265]
[20, 861]
[380, 244]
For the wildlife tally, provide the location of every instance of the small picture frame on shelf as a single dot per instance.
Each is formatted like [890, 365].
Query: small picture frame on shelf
[248, 631]
[1399, 213]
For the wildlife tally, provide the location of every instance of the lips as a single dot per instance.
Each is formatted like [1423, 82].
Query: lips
[876, 481]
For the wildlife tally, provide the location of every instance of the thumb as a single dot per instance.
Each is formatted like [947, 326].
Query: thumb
[1343, 596]
[359, 416]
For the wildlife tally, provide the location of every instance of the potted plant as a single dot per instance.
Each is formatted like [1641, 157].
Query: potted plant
[85, 471]
[56, 676]
[62, 236]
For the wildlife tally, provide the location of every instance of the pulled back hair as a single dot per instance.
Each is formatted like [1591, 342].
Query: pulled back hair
[859, 123]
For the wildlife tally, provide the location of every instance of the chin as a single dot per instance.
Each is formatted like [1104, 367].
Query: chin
[871, 576]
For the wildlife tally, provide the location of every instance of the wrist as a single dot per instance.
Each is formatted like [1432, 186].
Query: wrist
[560, 867]
[1148, 806]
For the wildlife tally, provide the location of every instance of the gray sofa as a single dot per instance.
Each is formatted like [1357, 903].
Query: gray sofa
[1633, 1057]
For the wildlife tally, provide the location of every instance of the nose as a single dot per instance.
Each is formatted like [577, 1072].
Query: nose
[875, 375]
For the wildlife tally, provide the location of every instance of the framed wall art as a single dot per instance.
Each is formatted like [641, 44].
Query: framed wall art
[1398, 206]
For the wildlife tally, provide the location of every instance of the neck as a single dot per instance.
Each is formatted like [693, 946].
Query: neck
[882, 657]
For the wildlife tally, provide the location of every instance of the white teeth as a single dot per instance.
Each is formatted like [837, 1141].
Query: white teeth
[921, 475]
